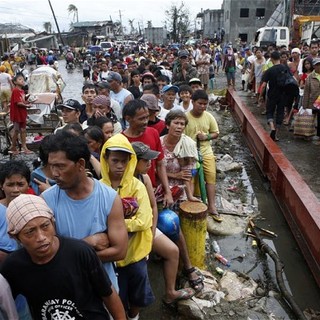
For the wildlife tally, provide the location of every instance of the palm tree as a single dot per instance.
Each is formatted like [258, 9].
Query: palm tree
[72, 9]
[47, 26]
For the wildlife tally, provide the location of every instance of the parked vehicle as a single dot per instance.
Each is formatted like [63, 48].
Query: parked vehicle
[272, 36]
[93, 50]
[303, 29]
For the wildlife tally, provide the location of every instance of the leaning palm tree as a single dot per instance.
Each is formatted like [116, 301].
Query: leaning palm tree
[72, 9]
[131, 26]
[47, 26]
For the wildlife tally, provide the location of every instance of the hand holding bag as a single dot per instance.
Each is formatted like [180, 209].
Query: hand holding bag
[316, 104]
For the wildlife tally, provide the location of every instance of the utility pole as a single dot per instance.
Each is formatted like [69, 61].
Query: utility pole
[55, 20]
[121, 28]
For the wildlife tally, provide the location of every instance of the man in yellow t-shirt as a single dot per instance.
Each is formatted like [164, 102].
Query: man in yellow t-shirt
[202, 127]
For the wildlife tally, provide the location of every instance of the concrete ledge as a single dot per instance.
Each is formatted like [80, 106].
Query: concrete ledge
[300, 206]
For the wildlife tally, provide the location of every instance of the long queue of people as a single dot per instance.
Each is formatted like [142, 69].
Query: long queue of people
[105, 177]
[129, 151]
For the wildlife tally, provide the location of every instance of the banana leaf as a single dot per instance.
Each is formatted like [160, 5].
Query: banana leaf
[202, 182]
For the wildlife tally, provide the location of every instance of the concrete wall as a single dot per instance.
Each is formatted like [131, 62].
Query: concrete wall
[212, 22]
[156, 35]
[235, 25]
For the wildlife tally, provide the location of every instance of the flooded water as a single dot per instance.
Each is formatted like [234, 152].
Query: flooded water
[74, 80]
[300, 280]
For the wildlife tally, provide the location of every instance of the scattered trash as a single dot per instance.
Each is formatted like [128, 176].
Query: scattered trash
[222, 259]
[262, 231]
[215, 246]
[219, 270]
[233, 189]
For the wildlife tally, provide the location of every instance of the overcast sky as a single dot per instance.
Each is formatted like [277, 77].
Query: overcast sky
[34, 13]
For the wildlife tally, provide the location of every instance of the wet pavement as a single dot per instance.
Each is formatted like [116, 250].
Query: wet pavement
[303, 154]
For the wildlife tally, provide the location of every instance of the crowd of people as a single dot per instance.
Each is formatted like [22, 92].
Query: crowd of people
[130, 152]
[282, 80]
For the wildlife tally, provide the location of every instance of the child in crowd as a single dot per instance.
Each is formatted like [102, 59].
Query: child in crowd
[202, 127]
[185, 93]
[95, 138]
[162, 245]
[89, 92]
[169, 93]
[18, 115]
[195, 84]
[106, 125]
[14, 180]
[118, 163]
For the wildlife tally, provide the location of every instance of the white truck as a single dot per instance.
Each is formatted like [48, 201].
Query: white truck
[303, 30]
[266, 36]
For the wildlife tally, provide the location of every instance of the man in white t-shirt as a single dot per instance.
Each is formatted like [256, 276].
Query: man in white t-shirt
[118, 93]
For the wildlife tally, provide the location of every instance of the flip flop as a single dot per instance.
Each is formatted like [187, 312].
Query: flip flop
[186, 293]
[196, 284]
[13, 152]
[215, 216]
[27, 151]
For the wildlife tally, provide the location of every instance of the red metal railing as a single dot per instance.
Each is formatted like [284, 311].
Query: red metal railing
[300, 206]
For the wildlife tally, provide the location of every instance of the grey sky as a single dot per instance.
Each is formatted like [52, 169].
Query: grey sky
[34, 13]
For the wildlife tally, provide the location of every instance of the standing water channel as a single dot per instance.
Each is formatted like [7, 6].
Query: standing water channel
[300, 281]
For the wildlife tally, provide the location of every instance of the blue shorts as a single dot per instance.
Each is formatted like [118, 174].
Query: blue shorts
[134, 285]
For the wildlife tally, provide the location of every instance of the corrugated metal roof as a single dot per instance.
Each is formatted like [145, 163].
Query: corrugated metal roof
[91, 24]
[35, 39]
[15, 35]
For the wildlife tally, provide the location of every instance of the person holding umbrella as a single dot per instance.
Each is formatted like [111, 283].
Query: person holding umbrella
[202, 127]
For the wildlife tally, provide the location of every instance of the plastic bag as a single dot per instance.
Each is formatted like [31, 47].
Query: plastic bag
[130, 207]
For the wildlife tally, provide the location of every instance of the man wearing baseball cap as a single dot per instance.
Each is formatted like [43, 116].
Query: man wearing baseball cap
[58, 276]
[154, 108]
[71, 111]
[183, 71]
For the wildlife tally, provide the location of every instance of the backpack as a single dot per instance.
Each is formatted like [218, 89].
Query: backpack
[69, 56]
[285, 79]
